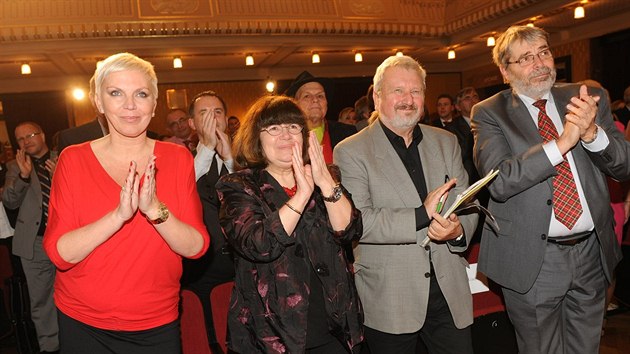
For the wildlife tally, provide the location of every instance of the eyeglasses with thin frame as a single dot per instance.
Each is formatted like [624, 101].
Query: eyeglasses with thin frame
[27, 137]
[180, 122]
[275, 130]
[529, 59]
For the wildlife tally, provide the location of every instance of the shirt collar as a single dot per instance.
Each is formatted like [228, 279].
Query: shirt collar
[397, 139]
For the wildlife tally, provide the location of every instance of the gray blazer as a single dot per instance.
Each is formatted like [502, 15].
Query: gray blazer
[507, 138]
[390, 264]
[27, 197]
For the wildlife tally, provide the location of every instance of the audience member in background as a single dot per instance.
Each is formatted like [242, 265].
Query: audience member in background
[181, 133]
[310, 94]
[124, 210]
[286, 219]
[623, 113]
[458, 126]
[555, 251]
[27, 186]
[362, 111]
[445, 110]
[466, 99]
[347, 116]
[213, 160]
[232, 126]
[618, 195]
[410, 293]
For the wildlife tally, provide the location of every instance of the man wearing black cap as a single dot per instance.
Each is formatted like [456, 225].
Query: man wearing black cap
[310, 94]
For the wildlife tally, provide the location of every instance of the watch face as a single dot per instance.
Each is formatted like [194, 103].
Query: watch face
[335, 195]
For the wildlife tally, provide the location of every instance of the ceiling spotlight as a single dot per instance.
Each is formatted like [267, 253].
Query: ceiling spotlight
[451, 54]
[270, 85]
[249, 60]
[358, 57]
[530, 24]
[315, 58]
[177, 63]
[78, 94]
[399, 53]
[26, 69]
[490, 42]
[578, 12]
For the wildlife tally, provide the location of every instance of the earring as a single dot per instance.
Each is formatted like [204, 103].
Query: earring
[153, 114]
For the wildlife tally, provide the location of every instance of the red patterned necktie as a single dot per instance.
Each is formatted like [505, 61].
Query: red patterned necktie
[566, 201]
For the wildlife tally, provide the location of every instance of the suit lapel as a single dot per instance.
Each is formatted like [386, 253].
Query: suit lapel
[389, 163]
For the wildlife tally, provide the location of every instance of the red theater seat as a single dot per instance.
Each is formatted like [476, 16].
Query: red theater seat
[220, 300]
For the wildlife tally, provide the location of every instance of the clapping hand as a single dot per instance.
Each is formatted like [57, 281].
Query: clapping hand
[321, 175]
[129, 194]
[582, 111]
[132, 197]
[24, 163]
[214, 138]
[147, 199]
[302, 173]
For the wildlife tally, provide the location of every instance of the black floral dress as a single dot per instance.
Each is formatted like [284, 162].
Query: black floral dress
[269, 308]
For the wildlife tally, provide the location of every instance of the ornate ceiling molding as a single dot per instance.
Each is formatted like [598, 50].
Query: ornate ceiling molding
[40, 20]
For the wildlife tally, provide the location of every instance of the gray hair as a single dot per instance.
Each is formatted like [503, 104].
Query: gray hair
[122, 62]
[404, 62]
[501, 51]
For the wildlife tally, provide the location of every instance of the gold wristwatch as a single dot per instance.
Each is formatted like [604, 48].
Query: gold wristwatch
[163, 215]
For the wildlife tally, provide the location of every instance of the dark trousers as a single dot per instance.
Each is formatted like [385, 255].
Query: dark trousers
[563, 311]
[438, 333]
[78, 338]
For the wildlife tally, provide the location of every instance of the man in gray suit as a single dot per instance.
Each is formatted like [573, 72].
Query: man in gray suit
[27, 186]
[554, 146]
[395, 170]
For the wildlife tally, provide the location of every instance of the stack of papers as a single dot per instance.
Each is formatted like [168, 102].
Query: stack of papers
[467, 195]
[470, 192]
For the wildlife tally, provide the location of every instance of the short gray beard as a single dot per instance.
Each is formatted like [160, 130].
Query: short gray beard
[401, 123]
[524, 88]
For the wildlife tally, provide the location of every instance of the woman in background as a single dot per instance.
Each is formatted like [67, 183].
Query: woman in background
[286, 221]
[124, 210]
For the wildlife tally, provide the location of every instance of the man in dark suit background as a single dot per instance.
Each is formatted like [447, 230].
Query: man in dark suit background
[213, 159]
[553, 145]
[311, 95]
[457, 125]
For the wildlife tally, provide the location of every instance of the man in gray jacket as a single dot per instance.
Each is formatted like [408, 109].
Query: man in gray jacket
[395, 170]
[27, 186]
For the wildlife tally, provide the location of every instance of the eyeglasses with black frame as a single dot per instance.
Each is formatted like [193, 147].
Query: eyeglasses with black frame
[528, 60]
[276, 129]
[27, 137]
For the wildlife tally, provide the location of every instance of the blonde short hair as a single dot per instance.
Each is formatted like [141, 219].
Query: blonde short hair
[122, 62]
